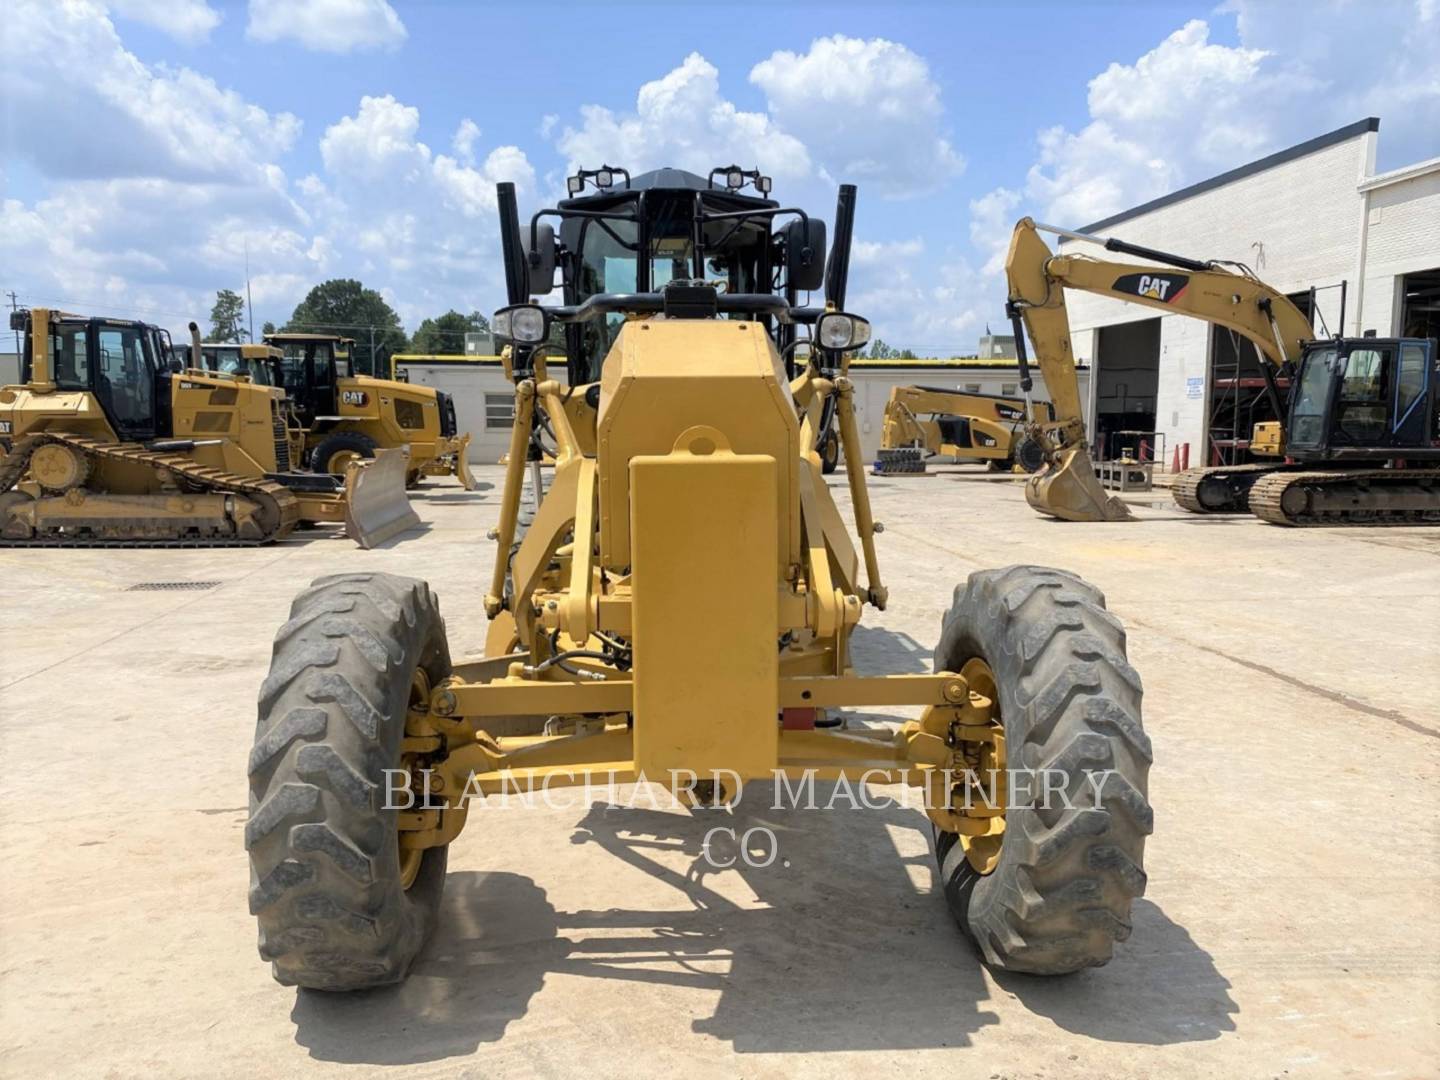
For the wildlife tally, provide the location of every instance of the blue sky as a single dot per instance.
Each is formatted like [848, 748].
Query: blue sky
[152, 141]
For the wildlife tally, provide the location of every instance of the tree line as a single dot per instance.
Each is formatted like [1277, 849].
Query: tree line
[346, 308]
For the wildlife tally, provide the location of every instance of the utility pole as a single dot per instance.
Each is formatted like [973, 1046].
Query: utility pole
[374, 373]
[249, 307]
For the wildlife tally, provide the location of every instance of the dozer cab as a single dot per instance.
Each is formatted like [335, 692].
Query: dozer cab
[347, 417]
[110, 440]
[1360, 434]
[679, 609]
[923, 422]
[258, 363]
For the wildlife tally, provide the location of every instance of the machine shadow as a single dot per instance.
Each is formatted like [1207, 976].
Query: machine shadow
[1161, 988]
[840, 924]
[876, 650]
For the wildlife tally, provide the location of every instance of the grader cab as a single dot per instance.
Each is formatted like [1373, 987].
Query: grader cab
[679, 607]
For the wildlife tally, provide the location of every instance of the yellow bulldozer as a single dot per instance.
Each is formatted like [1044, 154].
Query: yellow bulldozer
[923, 422]
[348, 417]
[680, 608]
[1359, 435]
[109, 440]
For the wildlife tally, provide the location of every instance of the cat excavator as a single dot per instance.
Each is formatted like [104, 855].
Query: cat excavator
[922, 422]
[110, 440]
[1359, 443]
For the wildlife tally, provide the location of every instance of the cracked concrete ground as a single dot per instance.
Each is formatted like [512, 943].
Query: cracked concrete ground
[1291, 927]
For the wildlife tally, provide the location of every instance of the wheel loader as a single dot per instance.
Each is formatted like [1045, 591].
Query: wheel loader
[1360, 435]
[109, 440]
[347, 417]
[923, 422]
[679, 609]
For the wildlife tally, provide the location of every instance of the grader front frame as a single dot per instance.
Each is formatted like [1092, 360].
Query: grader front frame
[679, 609]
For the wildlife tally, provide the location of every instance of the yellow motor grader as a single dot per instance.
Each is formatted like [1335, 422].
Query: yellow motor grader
[679, 609]
[922, 422]
[348, 417]
[109, 440]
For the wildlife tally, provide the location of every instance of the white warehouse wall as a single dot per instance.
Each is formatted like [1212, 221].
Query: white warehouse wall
[1402, 235]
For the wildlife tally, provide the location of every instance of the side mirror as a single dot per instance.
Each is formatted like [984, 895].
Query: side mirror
[805, 254]
[540, 262]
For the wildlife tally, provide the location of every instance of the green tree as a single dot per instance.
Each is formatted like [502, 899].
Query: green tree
[227, 316]
[268, 328]
[344, 307]
[446, 333]
[880, 351]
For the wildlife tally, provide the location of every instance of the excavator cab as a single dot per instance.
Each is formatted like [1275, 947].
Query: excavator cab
[1361, 398]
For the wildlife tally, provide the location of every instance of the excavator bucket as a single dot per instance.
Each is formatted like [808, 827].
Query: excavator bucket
[462, 463]
[376, 506]
[1067, 488]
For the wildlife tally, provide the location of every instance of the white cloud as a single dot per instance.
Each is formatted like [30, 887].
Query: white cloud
[869, 112]
[682, 120]
[377, 142]
[463, 141]
[187, 21]
[884, 252]
[1190, 108]
[83, 106]
[336, 26]
[429, 226]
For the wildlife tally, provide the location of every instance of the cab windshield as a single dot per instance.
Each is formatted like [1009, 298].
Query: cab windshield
[1318, 374]
[610, 262]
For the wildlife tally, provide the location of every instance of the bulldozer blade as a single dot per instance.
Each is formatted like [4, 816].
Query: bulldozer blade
[376, 505]
[1068, 489]
[462, 464]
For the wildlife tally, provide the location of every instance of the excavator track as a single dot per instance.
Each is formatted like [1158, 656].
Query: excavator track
[278, 510]
[1349, 497]
[1220, 489]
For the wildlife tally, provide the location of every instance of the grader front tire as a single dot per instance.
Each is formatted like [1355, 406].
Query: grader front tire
[326, 878]
[1059, 897]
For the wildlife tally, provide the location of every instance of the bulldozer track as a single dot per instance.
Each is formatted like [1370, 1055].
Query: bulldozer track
[1268, 497]
[1186, 488]
[281, 508]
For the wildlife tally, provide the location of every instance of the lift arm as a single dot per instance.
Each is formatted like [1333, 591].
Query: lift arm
[1037, 278]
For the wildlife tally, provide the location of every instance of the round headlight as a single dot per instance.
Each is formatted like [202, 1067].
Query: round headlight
[527, 325]
[840, 332]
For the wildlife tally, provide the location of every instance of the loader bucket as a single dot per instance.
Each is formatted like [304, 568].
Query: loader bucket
[462, 462]
[376, 506]
[1067, 489]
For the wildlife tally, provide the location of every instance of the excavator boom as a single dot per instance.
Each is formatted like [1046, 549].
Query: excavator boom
[1225, 294]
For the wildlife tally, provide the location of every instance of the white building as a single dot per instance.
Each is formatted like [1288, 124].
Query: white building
[1313, 217]
[485, 402]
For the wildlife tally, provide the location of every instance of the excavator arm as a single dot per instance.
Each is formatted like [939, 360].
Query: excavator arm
[1225, 294]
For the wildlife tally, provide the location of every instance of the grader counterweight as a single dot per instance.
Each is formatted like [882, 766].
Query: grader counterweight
[680, 606]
